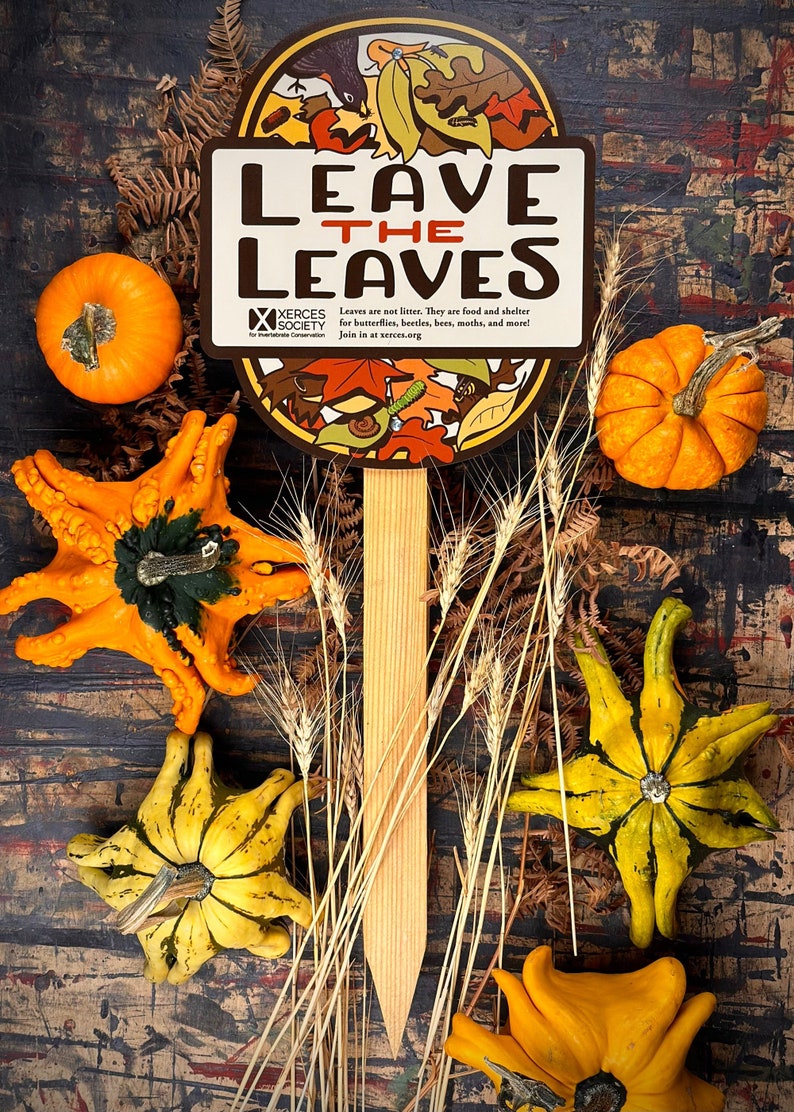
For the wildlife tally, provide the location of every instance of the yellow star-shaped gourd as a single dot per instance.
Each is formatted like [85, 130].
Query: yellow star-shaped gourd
[200, 868]
[156, 567]
[658, 783]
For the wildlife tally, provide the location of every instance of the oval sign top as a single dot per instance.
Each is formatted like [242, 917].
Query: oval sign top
[396, 241]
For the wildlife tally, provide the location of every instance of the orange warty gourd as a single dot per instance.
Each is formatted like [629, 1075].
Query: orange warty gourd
[156, 566]
[684, 408]
[109, 328]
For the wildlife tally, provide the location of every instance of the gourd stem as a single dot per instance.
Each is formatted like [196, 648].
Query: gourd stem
[155, 567]
[518, 1091]
[690, 401]
[189, 882]
[96, 325]
[600, 1093]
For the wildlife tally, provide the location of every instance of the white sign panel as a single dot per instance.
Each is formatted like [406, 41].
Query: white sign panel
[322, 250]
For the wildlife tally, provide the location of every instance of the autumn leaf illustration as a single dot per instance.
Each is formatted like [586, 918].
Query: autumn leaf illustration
[414, 443]
[468, 89]
[278, 386]
[329, 134]
[515, 109]
[305, 412]
[288, 380]
[437, 396]
[396, 109]
[459, 126]
[423, 95]
[343, 378]
[356, 433]
[485, 417]
[294, 388]
[518, 121]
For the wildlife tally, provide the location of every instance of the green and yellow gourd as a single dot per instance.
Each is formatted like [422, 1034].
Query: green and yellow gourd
[200, 869]
[658, 782]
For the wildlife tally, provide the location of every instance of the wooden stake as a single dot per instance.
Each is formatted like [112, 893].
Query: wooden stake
[395, 690]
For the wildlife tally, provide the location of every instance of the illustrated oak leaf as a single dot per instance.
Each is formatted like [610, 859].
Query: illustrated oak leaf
[305, 412]
[416, 444]
[293, 386]
[467, 88]
[437, 397]
[278, 386]
[313, 106]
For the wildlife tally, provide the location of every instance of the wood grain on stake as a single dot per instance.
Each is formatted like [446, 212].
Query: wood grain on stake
[395, 685]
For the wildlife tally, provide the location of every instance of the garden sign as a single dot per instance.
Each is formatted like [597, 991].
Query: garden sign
[396, 255]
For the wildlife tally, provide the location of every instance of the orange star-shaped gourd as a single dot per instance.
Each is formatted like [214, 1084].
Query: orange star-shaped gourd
[157, 567]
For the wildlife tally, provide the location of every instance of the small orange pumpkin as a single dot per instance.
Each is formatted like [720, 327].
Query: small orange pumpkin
[682, 408]
[109, 328]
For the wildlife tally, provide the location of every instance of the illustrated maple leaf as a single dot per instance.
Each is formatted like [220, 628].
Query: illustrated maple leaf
[436, 397]
[518, 121]
[343, 377]
[514, 108]
[329, 134]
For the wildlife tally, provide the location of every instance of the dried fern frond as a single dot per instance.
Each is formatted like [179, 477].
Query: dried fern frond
[154, 197]
[177, 150]
[229, 45]
[206, 109]
[341, 513]
[651, 563]
[581, 527]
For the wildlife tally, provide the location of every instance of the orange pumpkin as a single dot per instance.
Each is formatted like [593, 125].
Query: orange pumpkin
[109, 328]
[682, 408]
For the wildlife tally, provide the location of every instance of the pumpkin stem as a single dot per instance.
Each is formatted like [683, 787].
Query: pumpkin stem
[189, 882]
[690, 401]
[96, 325]
[154, 568]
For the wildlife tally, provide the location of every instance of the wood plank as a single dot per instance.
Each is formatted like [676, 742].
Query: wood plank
[395, 690]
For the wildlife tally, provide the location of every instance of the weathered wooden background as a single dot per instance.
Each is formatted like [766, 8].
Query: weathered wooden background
[690, 106]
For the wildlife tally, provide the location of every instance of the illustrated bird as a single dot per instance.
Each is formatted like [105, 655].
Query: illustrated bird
[337, 63]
